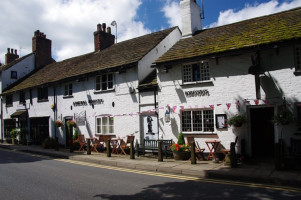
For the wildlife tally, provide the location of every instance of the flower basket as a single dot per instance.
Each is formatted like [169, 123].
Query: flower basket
[283, 117]
[58, 123]
[181, 155]
[236, 120]
[71, 123]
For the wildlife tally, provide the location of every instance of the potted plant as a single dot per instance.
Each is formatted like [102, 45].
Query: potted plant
[236, 120]
[180, 150]
[58, 123]
[13, 134]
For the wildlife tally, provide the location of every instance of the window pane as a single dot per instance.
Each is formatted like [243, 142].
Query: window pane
[97, 85]
[70, 89]
[66, 90]
[197, 120]
[208, 121]
[187, 73]
[196, 72]
[205, 72]
[186, 121]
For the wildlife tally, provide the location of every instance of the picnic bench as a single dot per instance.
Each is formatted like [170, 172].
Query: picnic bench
[151, 146]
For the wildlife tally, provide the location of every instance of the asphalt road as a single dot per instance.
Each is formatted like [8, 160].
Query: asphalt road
[25, 176]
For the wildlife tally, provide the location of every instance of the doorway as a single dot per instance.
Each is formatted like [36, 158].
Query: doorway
[262, 133]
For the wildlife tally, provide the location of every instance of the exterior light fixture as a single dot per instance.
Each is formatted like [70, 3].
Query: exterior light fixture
[114, 23]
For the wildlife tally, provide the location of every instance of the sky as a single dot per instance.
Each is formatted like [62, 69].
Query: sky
[70, 23]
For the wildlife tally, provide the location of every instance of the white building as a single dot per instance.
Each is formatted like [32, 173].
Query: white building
[98, 90]
[16, 69]
[250, 68]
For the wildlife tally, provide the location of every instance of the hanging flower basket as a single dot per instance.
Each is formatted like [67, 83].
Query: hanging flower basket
[236, 120]
[58, 123]
[283, 117]
[71, 123]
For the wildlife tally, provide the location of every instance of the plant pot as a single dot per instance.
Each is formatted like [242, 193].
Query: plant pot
[181, 155]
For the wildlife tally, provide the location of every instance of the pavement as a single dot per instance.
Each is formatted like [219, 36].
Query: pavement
[263, 173]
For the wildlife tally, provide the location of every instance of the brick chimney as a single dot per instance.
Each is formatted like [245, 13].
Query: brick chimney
[41, 47]
[11, 55]
[103, 38]
[191, 17]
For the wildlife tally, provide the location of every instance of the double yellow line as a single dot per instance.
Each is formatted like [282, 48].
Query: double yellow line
[173, 176]
[187, 178]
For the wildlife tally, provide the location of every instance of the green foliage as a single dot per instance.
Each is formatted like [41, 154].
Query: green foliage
[236, 120]
[75, 134]
[181, 140]
[14, 133]
[283, 117]
[178, 147]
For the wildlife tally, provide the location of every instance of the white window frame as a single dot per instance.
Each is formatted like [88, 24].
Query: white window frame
[202, 128]
[99, 82]
[68, 90]
[191, 76]
[104, 125]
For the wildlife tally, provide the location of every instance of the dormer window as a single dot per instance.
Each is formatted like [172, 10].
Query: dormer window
[104, 82]
[13, 75]
[196, 72]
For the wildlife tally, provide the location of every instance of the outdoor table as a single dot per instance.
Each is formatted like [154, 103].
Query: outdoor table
[212, 146]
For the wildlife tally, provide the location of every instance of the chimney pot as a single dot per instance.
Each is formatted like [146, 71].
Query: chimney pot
[98, 27]
[12, 51]
[104, 27]
[109, 30]
[16, 52]
[8, 50]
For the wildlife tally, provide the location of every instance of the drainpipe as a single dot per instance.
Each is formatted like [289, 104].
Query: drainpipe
[55, 109]
[157, 112]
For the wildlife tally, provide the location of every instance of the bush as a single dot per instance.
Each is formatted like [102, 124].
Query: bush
[14, 133]
[181, 140]
[237, 120]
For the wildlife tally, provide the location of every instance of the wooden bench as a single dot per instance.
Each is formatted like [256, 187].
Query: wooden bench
[152, 146]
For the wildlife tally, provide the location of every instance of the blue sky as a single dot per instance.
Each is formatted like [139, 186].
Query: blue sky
[70, 23]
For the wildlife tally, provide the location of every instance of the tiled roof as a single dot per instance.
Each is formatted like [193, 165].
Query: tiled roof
[280, 27]
[5, 67]
[121, 54]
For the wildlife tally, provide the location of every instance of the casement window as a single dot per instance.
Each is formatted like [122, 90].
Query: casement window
[68, 90]
[13, 75]
[197, 121]
[104, 125]
[9, 100]
[196, 72]
[22, 97]
[43, 94]
[298, 58]
[104, 82]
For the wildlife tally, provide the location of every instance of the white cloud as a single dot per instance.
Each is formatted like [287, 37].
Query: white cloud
[255, 10]
[171, 11]
[68, 23]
